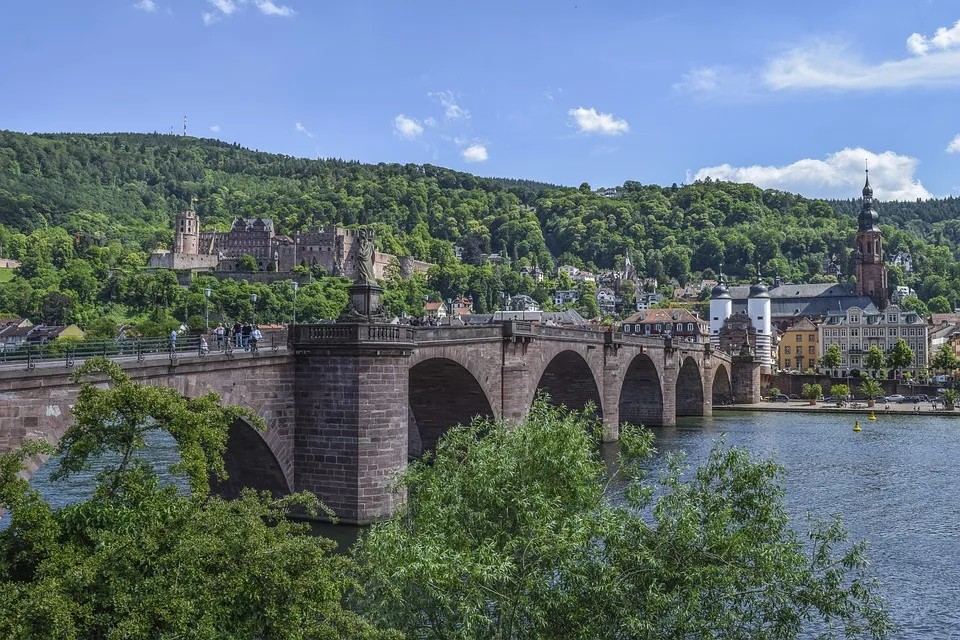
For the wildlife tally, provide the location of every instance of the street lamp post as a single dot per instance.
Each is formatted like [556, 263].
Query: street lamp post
[295, 285]
[449, 311]
[253, 300]
[206, 309]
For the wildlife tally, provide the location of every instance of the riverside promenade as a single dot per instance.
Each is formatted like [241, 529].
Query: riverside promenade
[803, 406]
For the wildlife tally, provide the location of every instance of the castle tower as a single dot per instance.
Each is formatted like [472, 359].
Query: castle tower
[758, 310]
[871, 272]
[721, 306]
[186, 235]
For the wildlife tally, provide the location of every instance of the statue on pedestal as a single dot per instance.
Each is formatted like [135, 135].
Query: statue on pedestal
[364, 305]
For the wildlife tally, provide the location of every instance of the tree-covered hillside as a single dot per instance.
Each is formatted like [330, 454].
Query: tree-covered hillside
[120, 192]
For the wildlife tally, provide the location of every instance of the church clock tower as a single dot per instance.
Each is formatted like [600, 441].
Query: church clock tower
[871, 272]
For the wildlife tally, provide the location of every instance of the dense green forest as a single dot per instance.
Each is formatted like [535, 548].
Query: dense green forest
[84, 211]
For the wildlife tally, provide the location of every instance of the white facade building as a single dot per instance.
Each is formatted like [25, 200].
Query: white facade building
[856, 330]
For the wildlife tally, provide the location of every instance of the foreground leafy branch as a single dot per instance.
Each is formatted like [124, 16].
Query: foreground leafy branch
[140, 560]
[509, 534]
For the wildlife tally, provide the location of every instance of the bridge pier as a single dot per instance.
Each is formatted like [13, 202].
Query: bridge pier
[352, 404]
[745, 379]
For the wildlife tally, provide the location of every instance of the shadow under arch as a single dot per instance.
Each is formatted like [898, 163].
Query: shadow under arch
[722, 391]
[250, 463]
[569, 381]
[689, 389]
[641, 394]
[442, 394]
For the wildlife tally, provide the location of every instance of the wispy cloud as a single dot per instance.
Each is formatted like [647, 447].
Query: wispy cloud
[299, 128]
[146, 5]
[268, 8]
[215, 128]
[430, 122]
[838, 175]
[225, 8]
[954, 146]
[590, 121]
[476, 152]
[406, 127]
[451, 110]
[836, 65]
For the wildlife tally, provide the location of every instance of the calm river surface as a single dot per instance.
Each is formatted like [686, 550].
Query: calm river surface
[894, 484]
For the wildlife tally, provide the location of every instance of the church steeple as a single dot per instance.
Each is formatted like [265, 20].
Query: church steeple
[871, 272]
[868, 219]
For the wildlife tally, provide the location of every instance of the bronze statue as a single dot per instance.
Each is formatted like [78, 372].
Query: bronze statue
[365, 253]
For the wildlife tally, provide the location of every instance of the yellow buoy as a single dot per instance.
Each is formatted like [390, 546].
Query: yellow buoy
[873, 416]
[856, 425]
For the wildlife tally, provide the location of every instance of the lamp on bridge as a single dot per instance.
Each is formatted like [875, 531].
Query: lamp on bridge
[253, 301]
[206, 309]
[294, 285]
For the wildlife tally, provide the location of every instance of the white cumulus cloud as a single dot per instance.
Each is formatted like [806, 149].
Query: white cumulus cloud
[146, 5]
[215, 128]
[943, 39]
[476, 152]
[838, 175]
[406, 127]
[954, 146]
[299, 128]
[590, 121]
[451, 110]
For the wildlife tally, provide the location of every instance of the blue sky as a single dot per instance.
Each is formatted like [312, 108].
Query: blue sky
[787, 95]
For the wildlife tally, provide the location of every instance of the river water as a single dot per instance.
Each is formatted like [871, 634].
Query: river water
[894, 484]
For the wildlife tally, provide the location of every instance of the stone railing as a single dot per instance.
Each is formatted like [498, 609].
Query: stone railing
[453, 333]
[304, 334]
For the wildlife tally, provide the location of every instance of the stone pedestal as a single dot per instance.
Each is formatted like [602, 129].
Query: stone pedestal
[352, 403]
[364, 305]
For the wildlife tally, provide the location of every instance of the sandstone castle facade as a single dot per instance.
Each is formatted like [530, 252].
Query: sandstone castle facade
[333, 248]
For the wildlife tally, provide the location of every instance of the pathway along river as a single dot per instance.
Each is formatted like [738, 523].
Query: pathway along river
[894, 484]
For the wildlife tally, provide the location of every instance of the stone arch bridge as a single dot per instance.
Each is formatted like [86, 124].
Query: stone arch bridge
[348, 404]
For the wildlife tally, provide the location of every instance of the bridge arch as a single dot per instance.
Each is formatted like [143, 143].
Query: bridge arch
[641, 393]
[689, 389]
[442, 393]
[569, 381]
[722, 390]
[250, 463]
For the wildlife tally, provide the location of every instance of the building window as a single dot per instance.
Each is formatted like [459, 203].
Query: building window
[626, 328]
[799, 338]
[811, 338]
[843, 333]
[787, 350]
[659, 327]
[690, 327]
[811, 351]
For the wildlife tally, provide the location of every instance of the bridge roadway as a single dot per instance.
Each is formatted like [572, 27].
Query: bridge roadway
[347, 405]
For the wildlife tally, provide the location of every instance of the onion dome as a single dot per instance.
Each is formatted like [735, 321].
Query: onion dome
[758, 289]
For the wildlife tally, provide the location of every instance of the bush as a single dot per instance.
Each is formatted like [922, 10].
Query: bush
[811, 391]
[840, 390]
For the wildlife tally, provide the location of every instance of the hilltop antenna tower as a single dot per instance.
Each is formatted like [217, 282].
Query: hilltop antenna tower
[184, 126]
